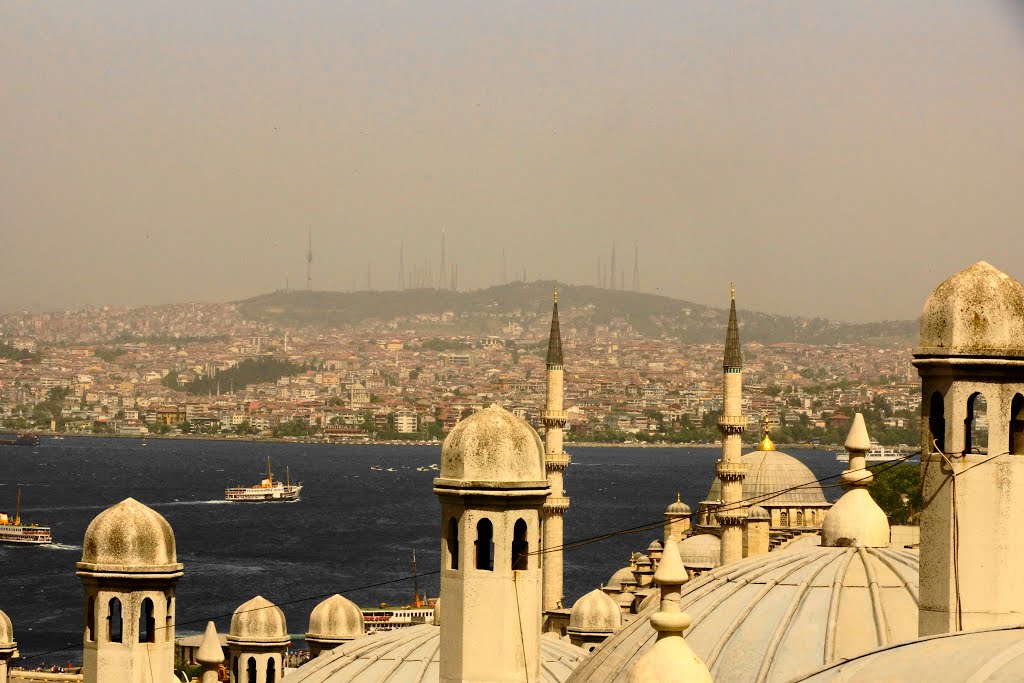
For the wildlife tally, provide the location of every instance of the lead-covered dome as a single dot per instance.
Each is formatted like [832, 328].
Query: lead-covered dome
[335, 618]
[777, 616]
[129, 537]
[979, 311]
[258, 621]
[412, 655]
[493, 445]
[595, 612]
[700, 551]
[6, 632]
[769, 472]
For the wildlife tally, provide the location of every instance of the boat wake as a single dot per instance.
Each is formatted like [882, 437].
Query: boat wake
[190, 502]
[60, 546]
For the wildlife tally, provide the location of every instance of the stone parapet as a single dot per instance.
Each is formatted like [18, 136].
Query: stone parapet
[556, 461]
[731, 471]
[556, 504]
[732, 424]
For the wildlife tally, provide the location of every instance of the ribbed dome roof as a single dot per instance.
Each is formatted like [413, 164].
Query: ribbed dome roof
[769, 472]
[129, 537]
[643, 560]
[334, 618]
[978, 311]
[678, 508]
[258, 621]
[412, 655]
[6, 631]
[624, 575]
[655, 547]
[701, 551]
[595, 612]
[758, 513]
[493, 445]
[780, 615]
[995, 654]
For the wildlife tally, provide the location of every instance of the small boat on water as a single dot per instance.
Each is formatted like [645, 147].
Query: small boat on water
[880, 453]
[266, 490]
[21, 440]
[13, 531]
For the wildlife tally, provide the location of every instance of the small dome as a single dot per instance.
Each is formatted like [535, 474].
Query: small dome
[701, 551]
[129, 537]
[624, 575]
[412, 654]
[258, 621]
[978, 311]
[625, 600]
[6, 632]
[678, 508]
[595, 612]
[643, 560]
[758, 514]
[493, 445]
[335, 618]
[655, 547]
[855, 520]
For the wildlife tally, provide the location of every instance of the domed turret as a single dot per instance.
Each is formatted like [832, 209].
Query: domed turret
[129, 537]
[979, 311]
[334, 621]
[8, 647]
[258, 641]
[677, 520]
[758, 514]
[493, 445]
[594, 617]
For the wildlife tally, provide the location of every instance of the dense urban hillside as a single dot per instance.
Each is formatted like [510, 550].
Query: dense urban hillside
[483, 311]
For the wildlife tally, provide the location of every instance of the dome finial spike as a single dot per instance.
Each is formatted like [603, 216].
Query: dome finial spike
[732, 290]
[556, 294]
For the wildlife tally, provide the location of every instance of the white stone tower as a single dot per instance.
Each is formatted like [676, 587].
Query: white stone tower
[731, 470]
[257, 642]
[129, 571]
[555, 462]
[972, 346]
[492, 488]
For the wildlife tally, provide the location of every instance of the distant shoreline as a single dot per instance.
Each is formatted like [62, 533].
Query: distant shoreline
[250, 438]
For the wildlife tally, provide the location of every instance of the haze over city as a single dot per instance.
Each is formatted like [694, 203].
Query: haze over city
[832, 159]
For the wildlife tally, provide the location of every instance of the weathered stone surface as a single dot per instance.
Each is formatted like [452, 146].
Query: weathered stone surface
[335, 618]
[595, 612]
[258, 621]
[493, 445]
[129, 536]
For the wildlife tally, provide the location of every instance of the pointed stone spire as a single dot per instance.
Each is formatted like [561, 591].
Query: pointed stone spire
[555, 339]
[210, 655]
[733, 355]
[856, 519]
[670, 659]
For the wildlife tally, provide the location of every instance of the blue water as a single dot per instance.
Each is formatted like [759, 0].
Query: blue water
[353, 526]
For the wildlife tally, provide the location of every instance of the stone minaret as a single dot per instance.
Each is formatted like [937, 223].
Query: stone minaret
[492, 488]
[972, 549]
[129, 571]
[731, 470]
[555, 462]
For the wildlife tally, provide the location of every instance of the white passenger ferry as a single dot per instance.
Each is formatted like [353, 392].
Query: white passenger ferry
[13, 531]
[266, 490]
[880, 453]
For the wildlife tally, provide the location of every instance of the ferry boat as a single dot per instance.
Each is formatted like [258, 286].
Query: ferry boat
[13, 531]
[266, 490]
[21, 440]
[880, 453]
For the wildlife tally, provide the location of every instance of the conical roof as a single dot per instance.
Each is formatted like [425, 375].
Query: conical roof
[555, 338]
[733, 355]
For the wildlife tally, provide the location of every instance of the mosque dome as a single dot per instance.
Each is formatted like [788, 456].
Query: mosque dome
[595, 612]
[129, 537]
[769, 472]
[678, 508]
[777, 616]
[758, 514]
[624, 575]
[6, 631]
[978, 311]
[258, 621]
[335, 618]
[493, 445]
[643, 560]
[701, 551]
[655, 547]
[412, 655]
[993, 654]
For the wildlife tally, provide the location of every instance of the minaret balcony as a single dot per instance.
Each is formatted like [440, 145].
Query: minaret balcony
[732, 517]
[732, 424]
[556, 461]
[556, 504]
[555, 418]
[731, 471]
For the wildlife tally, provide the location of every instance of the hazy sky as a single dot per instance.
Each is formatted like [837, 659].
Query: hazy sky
[833, 158]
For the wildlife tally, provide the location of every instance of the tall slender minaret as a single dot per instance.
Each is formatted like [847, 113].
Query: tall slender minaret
[731, 469]
[309, 262]
[555, 462]
[612, 270]
[636, 266]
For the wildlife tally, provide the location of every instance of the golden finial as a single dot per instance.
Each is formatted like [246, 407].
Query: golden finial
[556, 295]
[732, 290]
[678, 499]
[766, 443]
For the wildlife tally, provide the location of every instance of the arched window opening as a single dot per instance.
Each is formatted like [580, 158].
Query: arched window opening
[799, 518]
[520, 546]
[90, 619]
[784, 518]
[271, 671]
[1017, 425]
[976, 425]
[169, 620]
[250, 673]
[937, 423]
[452, 538]
[147, 623]
[114, 621]
[485, 545]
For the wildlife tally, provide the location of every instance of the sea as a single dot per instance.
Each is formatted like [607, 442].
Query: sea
[364, 510]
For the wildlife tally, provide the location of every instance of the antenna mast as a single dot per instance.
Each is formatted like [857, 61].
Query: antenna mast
[309, 262]
[17, 510]
[415, 583]
[636, 266]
